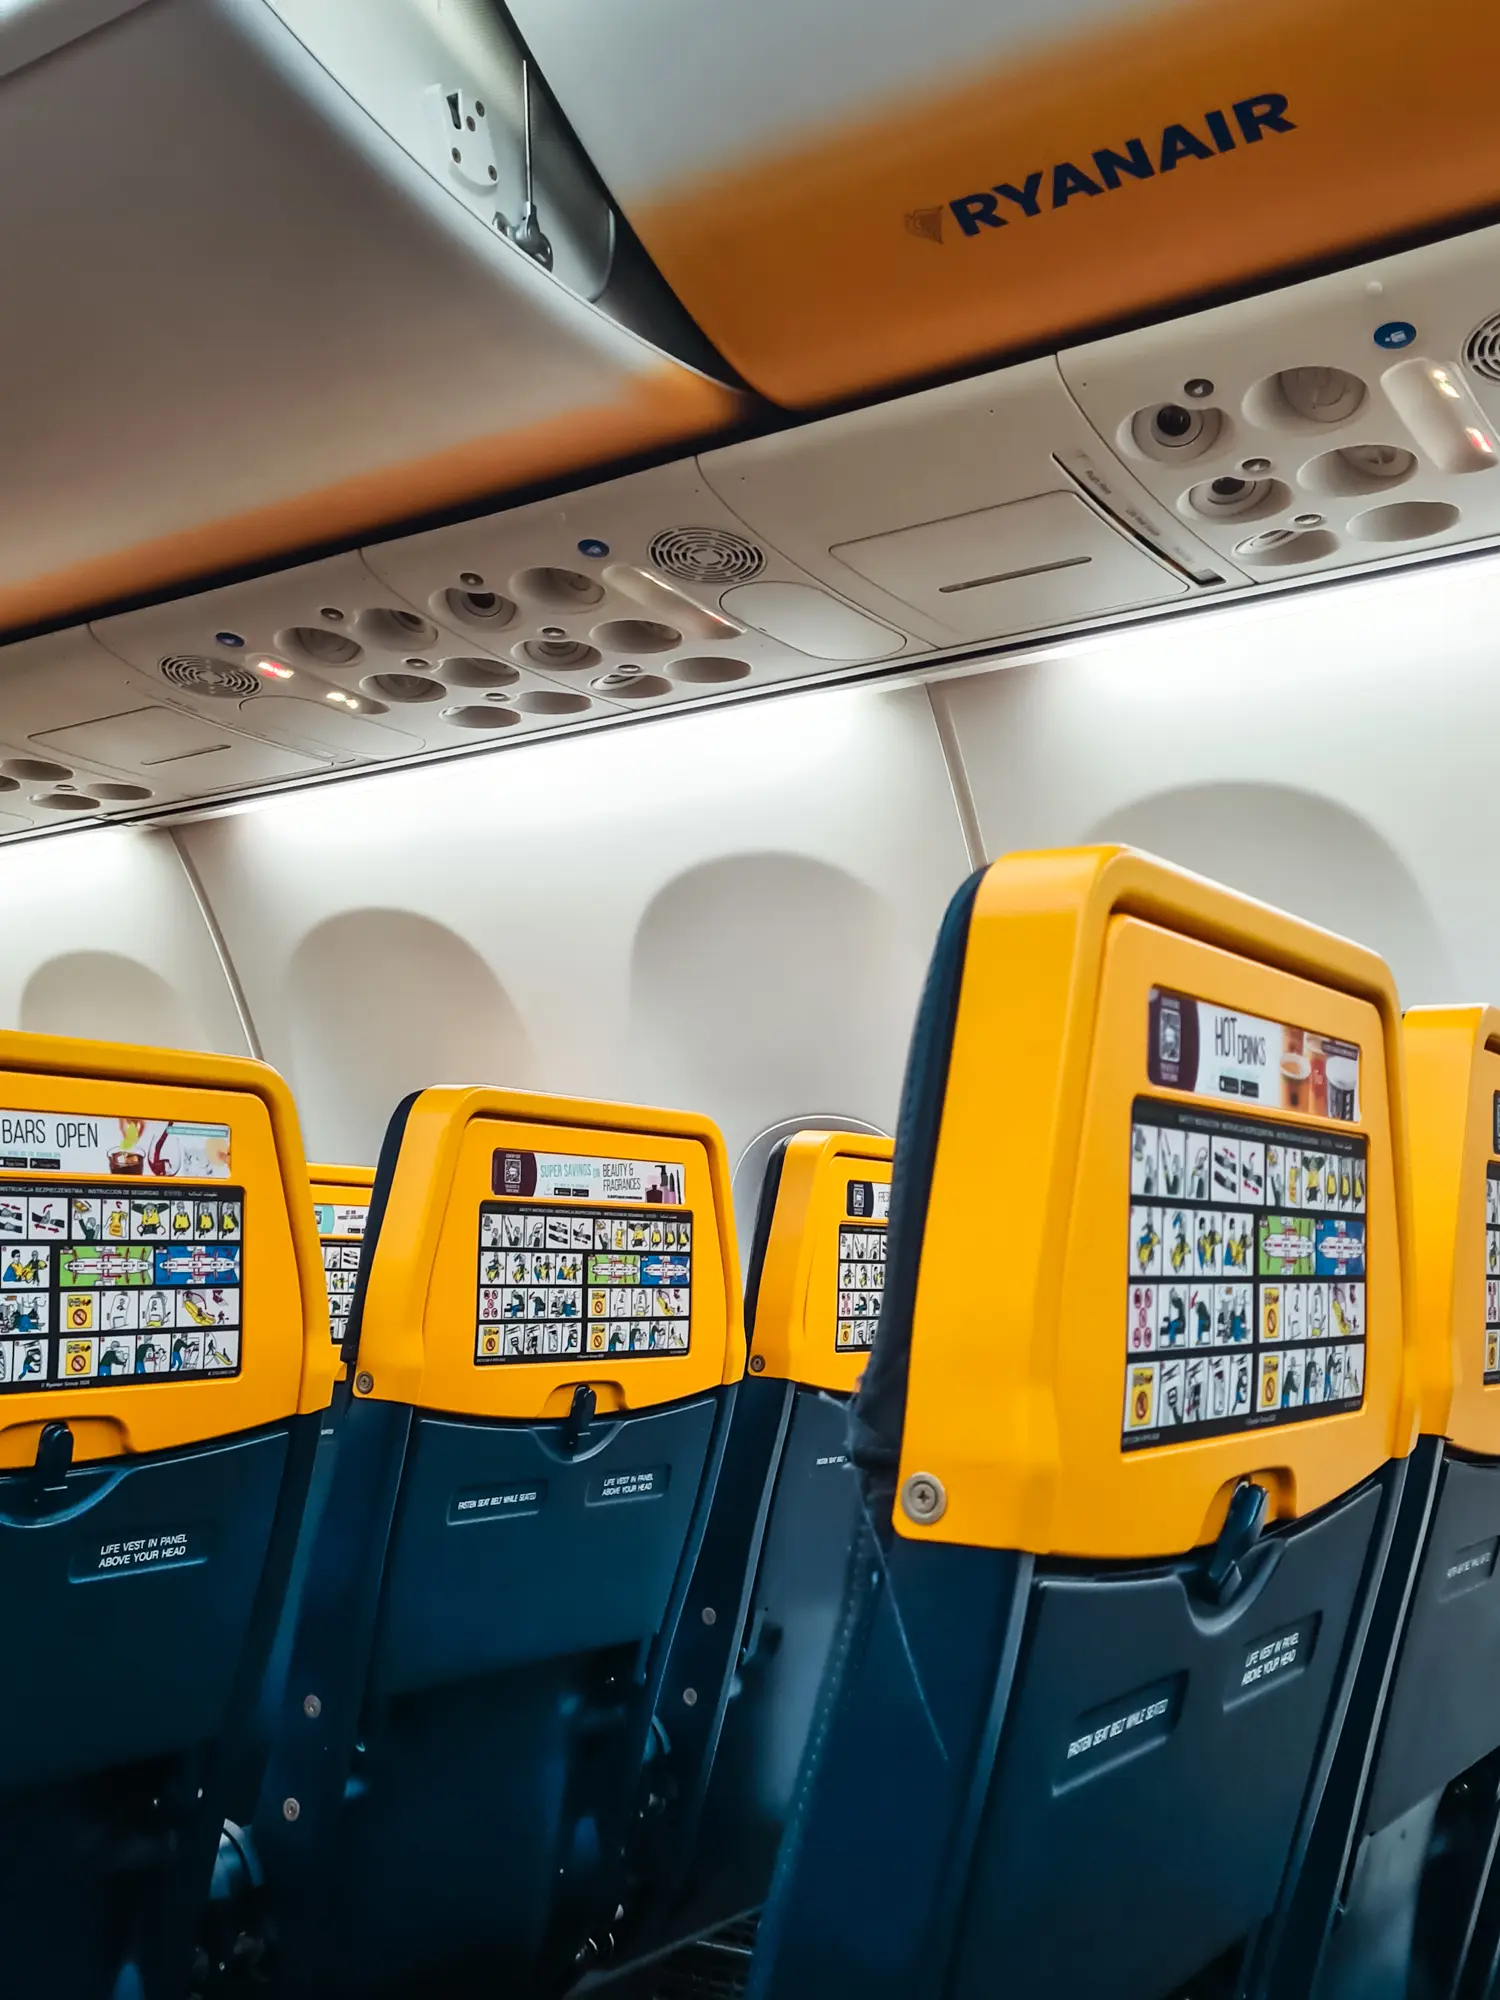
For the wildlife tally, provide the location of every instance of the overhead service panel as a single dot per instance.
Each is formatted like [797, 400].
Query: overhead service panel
[1346, 424]
[288, 273]
[848, 197]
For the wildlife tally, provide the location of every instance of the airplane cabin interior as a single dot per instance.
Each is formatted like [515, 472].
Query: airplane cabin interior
[749, 1045]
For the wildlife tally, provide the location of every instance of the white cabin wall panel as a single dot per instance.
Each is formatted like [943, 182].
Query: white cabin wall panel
[104, 938]
[1332, 754]
[730, 911]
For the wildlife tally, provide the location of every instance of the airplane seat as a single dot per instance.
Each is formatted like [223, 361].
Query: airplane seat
[1410, 1901]
[1119, 1556]
[544, 1338]
[164, 1362]
[341, 1207]
[767, 1587]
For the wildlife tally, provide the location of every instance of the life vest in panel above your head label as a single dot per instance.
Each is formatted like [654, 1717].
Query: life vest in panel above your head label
[613, 1275]
[1247, 1248]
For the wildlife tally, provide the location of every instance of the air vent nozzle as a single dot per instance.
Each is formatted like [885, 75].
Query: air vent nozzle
[1482, 349]
[706, 555]
[199, 673]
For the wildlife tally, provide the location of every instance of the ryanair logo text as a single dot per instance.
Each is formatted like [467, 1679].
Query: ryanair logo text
[1245, 123]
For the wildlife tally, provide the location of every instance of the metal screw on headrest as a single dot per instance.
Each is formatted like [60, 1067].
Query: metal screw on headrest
[924, 1497]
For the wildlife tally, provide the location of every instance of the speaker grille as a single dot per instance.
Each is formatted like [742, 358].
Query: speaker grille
[1482, 349]
[706, 555]
[198, 673]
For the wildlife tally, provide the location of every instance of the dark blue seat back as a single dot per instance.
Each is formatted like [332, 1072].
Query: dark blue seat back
[490, 1597]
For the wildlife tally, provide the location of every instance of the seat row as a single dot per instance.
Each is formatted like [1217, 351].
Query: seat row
[1122, 1617]
[373, 1656]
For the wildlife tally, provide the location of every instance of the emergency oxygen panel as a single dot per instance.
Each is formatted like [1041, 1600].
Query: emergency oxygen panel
[1210, 1259]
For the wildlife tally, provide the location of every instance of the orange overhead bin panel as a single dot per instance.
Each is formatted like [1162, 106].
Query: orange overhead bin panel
[846, 198]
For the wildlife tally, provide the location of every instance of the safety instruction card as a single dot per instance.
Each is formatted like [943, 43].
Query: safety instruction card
[556, 1281]
[341, 1230]
[1247, 1264]
[99, 1283]
[862, 1263]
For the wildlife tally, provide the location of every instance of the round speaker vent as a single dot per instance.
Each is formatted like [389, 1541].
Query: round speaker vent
[706, 555]
[1482, 349]
[197, 673]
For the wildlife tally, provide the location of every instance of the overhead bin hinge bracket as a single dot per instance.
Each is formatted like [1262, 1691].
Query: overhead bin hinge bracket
[461, 129]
